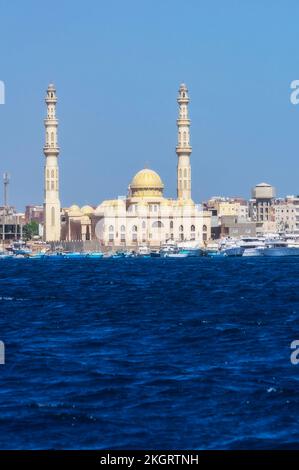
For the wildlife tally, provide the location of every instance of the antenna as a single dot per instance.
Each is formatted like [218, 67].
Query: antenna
[6, 179]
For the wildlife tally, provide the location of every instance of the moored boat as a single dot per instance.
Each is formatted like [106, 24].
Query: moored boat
[176, 255]
[190, 248]
[94, 254]
[279, 248]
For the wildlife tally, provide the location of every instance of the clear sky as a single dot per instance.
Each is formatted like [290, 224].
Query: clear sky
[117, 66]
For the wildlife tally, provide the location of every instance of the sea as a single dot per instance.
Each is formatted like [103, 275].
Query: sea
[191, 353]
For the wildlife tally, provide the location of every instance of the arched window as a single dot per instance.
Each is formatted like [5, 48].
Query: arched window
[122, 228]
[185, 136]
[157, 224]
[180, 172]
[204, 228]
[192, 228]
[185, 184]
[52, 185]
[185, 173]
[53, 216]
[52, 173]
[134, 228]
[181, 229]
[52, 136]
[143, 224]
[171, 224]
[111, 228]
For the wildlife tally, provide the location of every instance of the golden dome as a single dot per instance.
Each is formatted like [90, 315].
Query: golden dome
[86, 210]
[74, 211]
[146, 183]
[74, 208]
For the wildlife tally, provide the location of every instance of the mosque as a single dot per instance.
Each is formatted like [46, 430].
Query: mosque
[144, 216]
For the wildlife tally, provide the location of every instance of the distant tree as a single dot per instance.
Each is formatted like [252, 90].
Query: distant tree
[30, 230]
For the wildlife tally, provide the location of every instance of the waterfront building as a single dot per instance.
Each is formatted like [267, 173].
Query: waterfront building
[11, 224]
[144, 215]
[34, 213]
[232, 226]
[52, 216]
[263, 195]
[229, 206]
[285, 213]
[229, 217]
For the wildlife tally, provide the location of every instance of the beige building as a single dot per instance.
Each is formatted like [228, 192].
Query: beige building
[145, 216]
[229, 206]
[52, 220]
[260, 208]
[285, 213]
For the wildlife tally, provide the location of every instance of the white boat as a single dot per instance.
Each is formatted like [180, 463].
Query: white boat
[19, 247]
[292, 239]
[170, 247]
[212, 249]
[176, 255]
[252, 246]
[190, 248]
[144, 251]
[258, 251]
[279, 248]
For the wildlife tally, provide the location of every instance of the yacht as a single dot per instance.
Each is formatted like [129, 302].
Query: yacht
[190, 248]
[279, 248]
[144, 251]
[176, 255]
[170, 247]
[292, 239]
[252, 246]
[212, 249]
[230, 247]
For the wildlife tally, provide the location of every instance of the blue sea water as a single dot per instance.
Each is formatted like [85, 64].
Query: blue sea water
[149, 353]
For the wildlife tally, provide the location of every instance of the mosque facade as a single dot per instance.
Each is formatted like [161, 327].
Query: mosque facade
[144, 216]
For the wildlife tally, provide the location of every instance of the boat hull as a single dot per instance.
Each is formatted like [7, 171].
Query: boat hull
[283, 251]
[191, 252]
[233, 251]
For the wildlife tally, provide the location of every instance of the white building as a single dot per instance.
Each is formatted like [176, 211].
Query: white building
[286, 214]
[145, 216]
[52, 216]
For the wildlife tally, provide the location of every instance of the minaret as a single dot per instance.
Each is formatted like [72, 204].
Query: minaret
[183, 148]
[52, 224]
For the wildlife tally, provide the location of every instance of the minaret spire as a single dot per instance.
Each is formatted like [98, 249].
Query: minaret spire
[183, 148]
[52, 224]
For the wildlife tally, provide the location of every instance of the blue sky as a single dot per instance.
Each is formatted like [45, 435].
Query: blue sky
[117, 66]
